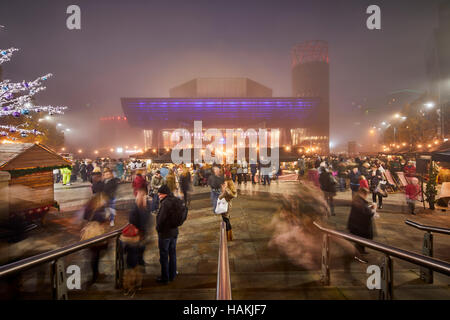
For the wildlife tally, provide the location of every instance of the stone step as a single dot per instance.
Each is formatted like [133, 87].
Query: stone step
[274, 286]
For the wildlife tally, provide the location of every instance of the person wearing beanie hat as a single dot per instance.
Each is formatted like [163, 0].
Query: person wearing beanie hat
[164, 189]
[167, 235]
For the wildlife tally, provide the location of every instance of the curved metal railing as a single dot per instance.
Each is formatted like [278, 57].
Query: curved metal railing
[427, 228]
[427, 246]
[54, 256]
[387, 267]
[223, 290]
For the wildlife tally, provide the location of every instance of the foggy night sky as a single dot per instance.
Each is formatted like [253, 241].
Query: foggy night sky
[142, 48]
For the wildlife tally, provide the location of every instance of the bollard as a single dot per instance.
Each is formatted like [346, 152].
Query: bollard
[325, 260]
[427, 249]
[58, 276]
[387, 279]
[118, 264]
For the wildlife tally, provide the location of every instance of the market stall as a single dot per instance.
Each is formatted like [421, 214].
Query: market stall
[31, 189]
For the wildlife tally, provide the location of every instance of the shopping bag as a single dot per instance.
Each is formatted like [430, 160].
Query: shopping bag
[221, 206]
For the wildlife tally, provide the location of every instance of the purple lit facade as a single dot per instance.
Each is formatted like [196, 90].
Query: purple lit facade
[293, 116]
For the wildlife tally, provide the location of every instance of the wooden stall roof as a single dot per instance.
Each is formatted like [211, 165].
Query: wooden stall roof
[18, 156]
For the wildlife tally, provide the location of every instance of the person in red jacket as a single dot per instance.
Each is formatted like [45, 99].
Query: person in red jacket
[139, 183]
[363, 183]
[413, 193]
[410, 169]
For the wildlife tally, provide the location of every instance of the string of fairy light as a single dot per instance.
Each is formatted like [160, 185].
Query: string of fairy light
[16, 100]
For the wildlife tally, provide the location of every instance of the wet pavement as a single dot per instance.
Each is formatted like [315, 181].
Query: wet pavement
[263, 263]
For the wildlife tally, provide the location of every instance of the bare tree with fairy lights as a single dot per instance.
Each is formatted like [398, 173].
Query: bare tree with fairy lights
[16, 101]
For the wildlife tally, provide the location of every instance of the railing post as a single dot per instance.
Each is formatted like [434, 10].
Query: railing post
[58, 277]
[387, 279]
[118, 263]
[325, 260]
[427, 249]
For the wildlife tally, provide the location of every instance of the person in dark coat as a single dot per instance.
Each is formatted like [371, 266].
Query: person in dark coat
[253, 170]
[110, 184]
[185, 185]
[89, 170]
[215, 181]
[95, 211]
[75, 172]
[328, 186]
[360, 220]
[375, 179]
[354, 180]
[97, 182]
[134, 248]
[167, 235]
[83, 172]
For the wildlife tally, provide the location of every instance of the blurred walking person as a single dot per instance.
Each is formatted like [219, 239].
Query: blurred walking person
[97, 181]
[185, 185]
[110, 189]
[139, 182]
[133, 239]
[83, 172]
[354, 180]
[89, 170]
[413, 194]
[375, 184]
[171, 181]
[215, 182]
[360, 222]
[328, 186]
[228, 193]
[95, 217]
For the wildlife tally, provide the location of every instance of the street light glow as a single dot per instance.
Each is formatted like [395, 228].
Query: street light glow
[429, 105]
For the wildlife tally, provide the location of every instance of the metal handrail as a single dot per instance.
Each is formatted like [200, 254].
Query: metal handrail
[415, 258]
[427, 228]
[42, 258]
[223, 290]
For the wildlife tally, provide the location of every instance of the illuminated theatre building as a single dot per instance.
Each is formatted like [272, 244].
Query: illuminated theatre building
[241, 103]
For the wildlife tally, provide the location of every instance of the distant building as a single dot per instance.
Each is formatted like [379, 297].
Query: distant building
[438, 64]
[311, 78]
[221, 88]
[242, 103]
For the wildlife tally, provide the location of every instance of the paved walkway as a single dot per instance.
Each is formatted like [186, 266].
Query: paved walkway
[269, 259]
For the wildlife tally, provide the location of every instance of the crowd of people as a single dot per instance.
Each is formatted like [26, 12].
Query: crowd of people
[365, 177]
[163, 191]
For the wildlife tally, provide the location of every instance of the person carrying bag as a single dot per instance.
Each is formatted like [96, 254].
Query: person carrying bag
[223, 205]
[133, 240]
[96, 217]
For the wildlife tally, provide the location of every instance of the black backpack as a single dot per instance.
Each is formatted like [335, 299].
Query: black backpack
[180, 213]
